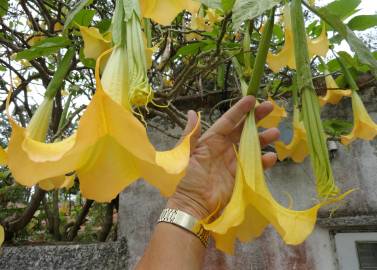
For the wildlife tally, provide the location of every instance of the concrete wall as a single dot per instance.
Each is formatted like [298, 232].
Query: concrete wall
[354, 167]
[109, 256]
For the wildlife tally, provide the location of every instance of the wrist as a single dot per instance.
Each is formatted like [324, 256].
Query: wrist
[187, 204]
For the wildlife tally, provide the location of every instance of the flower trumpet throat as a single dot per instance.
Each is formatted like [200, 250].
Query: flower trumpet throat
[297, 149]
[286, 56]
[363, 125]
[333, 93]
[109, 151]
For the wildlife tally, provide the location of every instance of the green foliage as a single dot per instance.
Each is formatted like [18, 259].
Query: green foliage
[3, 7]
[342, 9]
[362, 22]
[75, 10]
[44, 47]
[337, 127]
[249, 9]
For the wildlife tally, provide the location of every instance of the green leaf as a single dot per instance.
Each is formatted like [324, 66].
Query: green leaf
[3, 7]
[361, 50]
[2, 68]
[84, 17]
[44, 47]
[342, 8]
[190, 49]
[60, 74]
[76, 9]
[337, 127]
[212, 3]
[104, 25]
[363, 22]
[227, 5]
[249, 9]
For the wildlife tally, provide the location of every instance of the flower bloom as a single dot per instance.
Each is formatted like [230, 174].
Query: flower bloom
[297, 149]
[363, 125]
[333, 94]
[274, 118]
[110, 149]
[252, 207]
[286, 56]
[164, 11]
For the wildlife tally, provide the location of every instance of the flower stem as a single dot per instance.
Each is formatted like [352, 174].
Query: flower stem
[260, 60]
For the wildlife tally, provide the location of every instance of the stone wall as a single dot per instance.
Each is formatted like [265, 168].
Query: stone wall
[109, 256]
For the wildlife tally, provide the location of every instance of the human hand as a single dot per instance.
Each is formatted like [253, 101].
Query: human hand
[209, 180]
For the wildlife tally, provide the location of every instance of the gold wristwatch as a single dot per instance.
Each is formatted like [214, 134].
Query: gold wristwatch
[185, 221]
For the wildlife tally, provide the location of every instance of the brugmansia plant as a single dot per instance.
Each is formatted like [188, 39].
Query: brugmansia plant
[110, 148]
[158, 52]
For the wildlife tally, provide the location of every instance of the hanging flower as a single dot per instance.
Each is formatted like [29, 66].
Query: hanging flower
[3, 157]
[274, 118]
[164, 11]
[110, 149]
[94, 42]
[286, 57]
[252, 207]
[363, 125]
[297, 149]
[333, 94]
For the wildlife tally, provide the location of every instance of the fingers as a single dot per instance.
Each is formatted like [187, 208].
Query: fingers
[261, 111]
[226, 124]
[269, 160]
[192, 119]
[269, 136]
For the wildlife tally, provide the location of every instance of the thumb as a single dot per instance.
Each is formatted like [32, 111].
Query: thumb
[192, 123]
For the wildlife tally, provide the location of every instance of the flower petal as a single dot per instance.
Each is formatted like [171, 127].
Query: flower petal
[364, 127]
[333, 96]
[3, 157]
[94, 43]
[274, 118]
[164, 11]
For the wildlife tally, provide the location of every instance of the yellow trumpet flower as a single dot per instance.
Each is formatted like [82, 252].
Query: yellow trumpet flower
[164, 11]
[333, 94]
[252, 207]
[110, 149]
[3, 157]
[274, 118]
[298, 149]
[363, 125]
[286, 57]
[94, 42]
[2, 235]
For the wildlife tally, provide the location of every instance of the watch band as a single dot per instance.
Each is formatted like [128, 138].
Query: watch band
[185, 221]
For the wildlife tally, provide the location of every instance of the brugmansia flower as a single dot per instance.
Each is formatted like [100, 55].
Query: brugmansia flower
[164, 11]
[363, 125]
[1, 235]
[297, 149]
[252, 207]
[3, 157]
[110, 148]
[286, 56]
[94, 42]
[203, 23]
[333, 94]
[275, 117]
